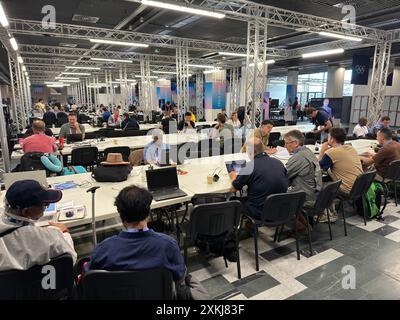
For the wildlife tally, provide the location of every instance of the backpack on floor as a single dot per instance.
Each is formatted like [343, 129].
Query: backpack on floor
[371, 201]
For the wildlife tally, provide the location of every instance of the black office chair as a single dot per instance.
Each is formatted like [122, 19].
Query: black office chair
[152, 284]
[273, 136]
[279, 209]
[116, 134]
[211, 220]
[322, 204]
[360, 187]
[125, 151]
[291, 123]
[392, 174]
[279, 123]
[85, 156]
[61, 119]
[309, 141]
[27, 284]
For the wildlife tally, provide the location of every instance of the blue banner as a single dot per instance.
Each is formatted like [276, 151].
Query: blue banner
[360, 69]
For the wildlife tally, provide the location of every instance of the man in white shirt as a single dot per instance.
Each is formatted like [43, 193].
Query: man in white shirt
[22, 243]
[361, 129]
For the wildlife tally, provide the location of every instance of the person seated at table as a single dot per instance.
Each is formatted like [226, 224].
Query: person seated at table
[22, 243]
[303, 169]
[234, 120]
[39, 141]
[175, 113]
[49, 117]
[61, 113]
[389, 152]
[187, 123]
[105, 115]
[168, 124]
[72, 127]
[153, 151]
[361, 129]
[341, 162]
[140, 248]
[383, 123]
[114, 120]
[263, 133]
[263, 176]
[222, 130]
[47, 132]
[322, 121]
[129, 123]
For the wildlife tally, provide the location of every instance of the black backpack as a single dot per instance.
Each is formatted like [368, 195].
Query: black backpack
[31, 162]
[111, 173]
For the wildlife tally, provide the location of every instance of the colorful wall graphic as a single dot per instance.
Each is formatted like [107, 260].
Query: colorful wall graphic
[215, 95]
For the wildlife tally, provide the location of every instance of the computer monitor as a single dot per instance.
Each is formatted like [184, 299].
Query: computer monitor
[162, 178]
[274, 103]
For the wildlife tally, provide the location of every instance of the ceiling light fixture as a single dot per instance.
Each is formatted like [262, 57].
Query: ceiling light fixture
[14, 44]
[184, 9]
[232, 54]
[150, 77]
[164, 72]
[127, 80]
[211, 71]
[339, 36]
[3, 17]
[119, 43]
[200, 66]
[20, 60]
[66, 78]
[82, 68]
[266, 62]
[23, 68]
[76, 73]
[322, 53]
[111, 60]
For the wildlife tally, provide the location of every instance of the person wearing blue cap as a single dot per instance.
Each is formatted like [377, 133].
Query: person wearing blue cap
[22, 243]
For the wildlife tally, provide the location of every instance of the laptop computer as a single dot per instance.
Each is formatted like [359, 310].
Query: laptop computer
[74, 137]
[235, 165]
[39, 176]
[163, 183]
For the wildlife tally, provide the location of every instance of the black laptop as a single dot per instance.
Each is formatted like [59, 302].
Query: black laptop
[163, 184]
[75, 137]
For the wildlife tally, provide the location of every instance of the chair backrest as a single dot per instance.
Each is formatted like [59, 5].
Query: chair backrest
[213, 219]
[125, 151]
[280, 123]
[136, 158]
[282, 208]
[152, 284]
[134, 133]
[362, 184]
[273, 136]
[84, 156]
[28, 284]
[326, 196]
[208, 198]
[393, 171]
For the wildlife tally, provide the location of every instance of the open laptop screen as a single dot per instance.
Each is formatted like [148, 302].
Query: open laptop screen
[162, 178]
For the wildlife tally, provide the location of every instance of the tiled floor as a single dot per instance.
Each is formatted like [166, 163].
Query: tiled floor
[373, 251]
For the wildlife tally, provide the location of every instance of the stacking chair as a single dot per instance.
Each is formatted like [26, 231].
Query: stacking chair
[152, 284]
[125, 151]
[85, 156]
[211, 220]
[392, 174]
[273, 136]
[279, 209]
[324, 200]
[360, 187]
[27, 284]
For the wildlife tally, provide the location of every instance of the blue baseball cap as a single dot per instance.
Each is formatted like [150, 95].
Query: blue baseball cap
[28, 193]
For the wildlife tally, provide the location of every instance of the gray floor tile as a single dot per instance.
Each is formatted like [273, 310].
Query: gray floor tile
[385, 230]
[382, 287]
[216, 286]
[257, 286]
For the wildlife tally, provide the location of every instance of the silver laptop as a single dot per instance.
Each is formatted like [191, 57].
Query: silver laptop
[39, 176]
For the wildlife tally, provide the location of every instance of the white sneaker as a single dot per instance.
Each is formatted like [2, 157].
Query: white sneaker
[333, 216]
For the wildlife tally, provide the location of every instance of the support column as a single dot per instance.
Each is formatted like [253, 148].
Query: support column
[378, 81]
[21, 96]
[335, 82]
[182, 77]
[16, 113]
[256, 68]
[4, 141]
[199, 96]
[234, 89]
[291, 93]
[145, 94]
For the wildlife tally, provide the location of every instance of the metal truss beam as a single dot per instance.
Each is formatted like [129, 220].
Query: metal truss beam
[378, 81]
[182, 77]
[234, 88]
[247, 11]
[145, 87]
[199, 96]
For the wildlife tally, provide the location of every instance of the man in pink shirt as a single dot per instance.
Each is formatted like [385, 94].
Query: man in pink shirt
[39, 142]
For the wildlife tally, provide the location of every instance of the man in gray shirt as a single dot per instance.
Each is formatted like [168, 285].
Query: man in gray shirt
[303, 170]
[72, 127]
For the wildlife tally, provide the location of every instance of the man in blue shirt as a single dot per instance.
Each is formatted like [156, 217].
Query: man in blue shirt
[383, 123]
[153, 151]
[262, 175]
[138, 247]
[322, 121]
[105, 115]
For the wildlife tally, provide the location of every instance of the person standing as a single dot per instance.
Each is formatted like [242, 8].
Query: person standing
[322, 121]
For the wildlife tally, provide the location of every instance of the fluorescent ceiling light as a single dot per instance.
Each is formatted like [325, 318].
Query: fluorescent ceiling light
[14, 44]
[164, 72]
[71, 80]
[211, 71]
[266, 62]
[82, 68]
[161, 79]
[200, 66]
[66, 78]
[322, 53]
[150, 77]
[23, 68]
[76, 73]
[127, 80]
[3, 17]
[185, 9]
[58, 85]
[26, 73]
[111, 60]
[339, 36]
[119, 43]
[232, 54]
[20, 60]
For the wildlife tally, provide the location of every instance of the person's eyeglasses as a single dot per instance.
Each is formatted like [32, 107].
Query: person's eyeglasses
[287, 142]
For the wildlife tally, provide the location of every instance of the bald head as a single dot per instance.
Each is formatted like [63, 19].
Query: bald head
[254, 145]
[38, 126]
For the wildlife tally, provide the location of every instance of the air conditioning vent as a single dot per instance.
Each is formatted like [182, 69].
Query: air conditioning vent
[83, 18]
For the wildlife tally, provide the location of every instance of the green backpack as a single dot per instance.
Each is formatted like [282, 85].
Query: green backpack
[372, 200]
